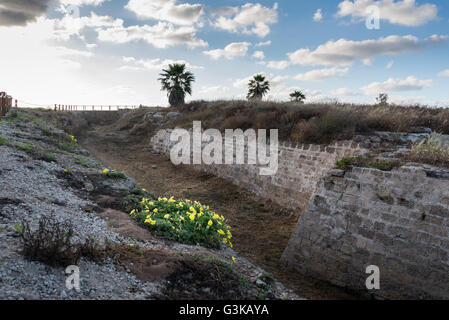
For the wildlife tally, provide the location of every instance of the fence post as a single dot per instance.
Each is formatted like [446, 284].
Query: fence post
[1, 105]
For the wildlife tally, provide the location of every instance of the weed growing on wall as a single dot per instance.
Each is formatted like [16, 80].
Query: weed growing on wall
[434, 150]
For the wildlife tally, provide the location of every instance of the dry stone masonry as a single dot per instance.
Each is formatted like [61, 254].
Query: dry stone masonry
[349, 220]
[398, 221]
[300, 169]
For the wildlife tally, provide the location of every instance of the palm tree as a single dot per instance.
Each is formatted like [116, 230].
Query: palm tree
[177, 82]
[258, 87]
[297, 96]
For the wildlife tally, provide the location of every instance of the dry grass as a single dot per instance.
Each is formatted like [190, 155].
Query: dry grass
[51, 243]
[434, 150]
[312, 123]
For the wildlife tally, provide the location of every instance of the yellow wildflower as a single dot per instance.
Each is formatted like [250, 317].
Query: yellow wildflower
[132, 212]
[210, 223]
[155, 210]
[192, 217]
[234, 260]
[166, 216]
[150, 221]
[221, 232]
[105, 171]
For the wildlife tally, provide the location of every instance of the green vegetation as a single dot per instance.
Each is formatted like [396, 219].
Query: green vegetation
[297, 96]
[434, 150]
[27, 147]
[312, 123]
[183, 221]
[4, 141]
[82, 161]
[18, 227]
[257, 88]
[134, 199]
[348, 163]
[177, 82]
[114, 174]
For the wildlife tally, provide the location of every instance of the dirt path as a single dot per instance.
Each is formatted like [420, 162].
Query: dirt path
[261, 230]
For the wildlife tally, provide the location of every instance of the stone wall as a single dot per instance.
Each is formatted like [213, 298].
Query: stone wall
[398, 221]
[300, 169]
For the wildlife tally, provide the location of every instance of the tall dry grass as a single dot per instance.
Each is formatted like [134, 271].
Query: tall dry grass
[313, 123]
[434, 150]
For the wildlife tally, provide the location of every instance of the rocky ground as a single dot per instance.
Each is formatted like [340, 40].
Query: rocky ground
[43, 172]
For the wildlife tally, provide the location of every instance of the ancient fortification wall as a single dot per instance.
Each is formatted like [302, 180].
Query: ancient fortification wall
[300, 169]
[398, 221]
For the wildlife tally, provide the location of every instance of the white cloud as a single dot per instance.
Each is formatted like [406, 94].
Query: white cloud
[405, 12]
[72, 26]
[263, 44]
[109, 29]
[397, 85]
[259, 55]
[231, 51]
[134, 64]
[82, 2]
[212, 91]
[162, 35]
[344, 92]
[444, 73]
[249, 19]
[345, 52]
[166, 10]
[321, 74]
[37, 69]
[278, 65]
[318, 16]
[390, 64]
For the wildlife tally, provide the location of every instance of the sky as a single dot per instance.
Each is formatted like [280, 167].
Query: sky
[110, 52]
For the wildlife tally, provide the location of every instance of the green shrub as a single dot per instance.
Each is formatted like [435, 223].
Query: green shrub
[27, 147]
[134, 199]
[114, 174]
[184, 221]
[434, 150]
[348, 163]
[4, 141]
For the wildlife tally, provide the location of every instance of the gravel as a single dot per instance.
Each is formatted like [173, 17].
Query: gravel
[29, 189]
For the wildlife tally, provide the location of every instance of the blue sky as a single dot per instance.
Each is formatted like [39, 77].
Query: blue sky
[110, 52]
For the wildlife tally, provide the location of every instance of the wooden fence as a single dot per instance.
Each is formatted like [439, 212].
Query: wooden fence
[5, 104]
[59, 107]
